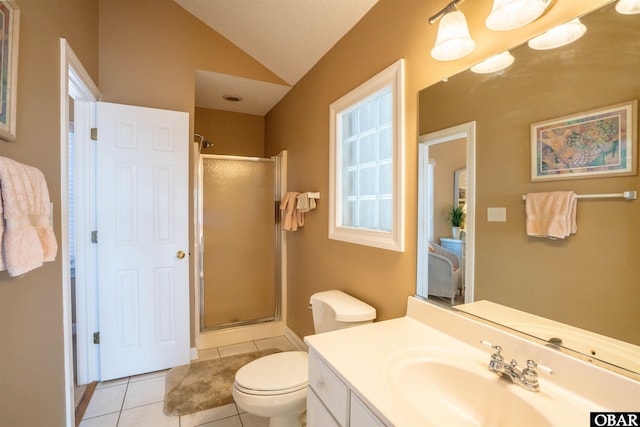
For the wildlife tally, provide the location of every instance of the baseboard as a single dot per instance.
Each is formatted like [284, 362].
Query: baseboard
[295, 339]
[84, 402]
[236, 335]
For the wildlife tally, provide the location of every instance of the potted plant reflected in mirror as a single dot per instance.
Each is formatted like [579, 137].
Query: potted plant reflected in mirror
[456, 218]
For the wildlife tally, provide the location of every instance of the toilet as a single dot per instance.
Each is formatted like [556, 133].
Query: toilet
[275, 386]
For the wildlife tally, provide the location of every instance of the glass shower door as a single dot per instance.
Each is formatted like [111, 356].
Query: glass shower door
[238, 219]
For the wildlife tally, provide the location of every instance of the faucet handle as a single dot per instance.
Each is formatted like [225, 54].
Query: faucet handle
[530, 375]
[530, 370]
[532, 365]
[486, 343]
[497, 360]
[497, 349]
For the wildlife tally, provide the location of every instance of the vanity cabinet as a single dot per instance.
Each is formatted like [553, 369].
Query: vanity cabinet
[317, 414]
[361, 416]
[330, 403]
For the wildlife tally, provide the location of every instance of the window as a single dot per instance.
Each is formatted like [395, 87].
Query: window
[367, 163]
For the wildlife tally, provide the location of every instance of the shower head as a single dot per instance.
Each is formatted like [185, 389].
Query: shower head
[203, 142]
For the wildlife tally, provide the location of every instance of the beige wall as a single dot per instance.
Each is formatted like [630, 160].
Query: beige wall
[300, 123]
[588, 280]
[32, 381]
[148, 52]
[233, 134]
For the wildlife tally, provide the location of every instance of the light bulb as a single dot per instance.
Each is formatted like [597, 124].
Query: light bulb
[509, 14]
[495, 63]
[559, 36]
[453, 40]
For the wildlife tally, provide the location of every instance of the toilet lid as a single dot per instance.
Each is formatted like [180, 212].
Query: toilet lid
[286, 371]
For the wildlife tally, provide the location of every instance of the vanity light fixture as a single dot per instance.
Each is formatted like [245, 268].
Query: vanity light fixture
[628, 7]
[453, 40]
[495, 63]
[559, 36]
[510, 14]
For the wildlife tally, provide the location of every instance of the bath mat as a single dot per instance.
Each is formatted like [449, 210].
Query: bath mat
[204, 384]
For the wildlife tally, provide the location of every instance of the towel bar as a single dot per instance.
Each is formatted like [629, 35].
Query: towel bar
[627, 195]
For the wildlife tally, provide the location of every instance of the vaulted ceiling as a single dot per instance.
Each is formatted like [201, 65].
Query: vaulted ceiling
[287, 36]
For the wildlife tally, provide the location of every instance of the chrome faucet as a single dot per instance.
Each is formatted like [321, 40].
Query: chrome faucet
[526, 378]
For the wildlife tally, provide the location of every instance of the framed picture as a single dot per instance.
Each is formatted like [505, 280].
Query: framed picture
[592, 144]
[9, 29]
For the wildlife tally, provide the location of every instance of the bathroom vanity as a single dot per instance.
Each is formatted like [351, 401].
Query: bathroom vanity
[430, 368]
[331, 403]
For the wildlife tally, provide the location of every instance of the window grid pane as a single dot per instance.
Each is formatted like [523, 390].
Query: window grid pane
[367, 168]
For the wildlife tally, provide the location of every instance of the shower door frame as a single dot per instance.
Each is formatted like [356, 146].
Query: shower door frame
[243, 332]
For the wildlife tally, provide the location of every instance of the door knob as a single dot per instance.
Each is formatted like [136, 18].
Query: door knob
[180, 254]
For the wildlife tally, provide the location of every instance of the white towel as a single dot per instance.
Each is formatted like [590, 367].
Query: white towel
[305, 203]
[552, 214]
[28, 239]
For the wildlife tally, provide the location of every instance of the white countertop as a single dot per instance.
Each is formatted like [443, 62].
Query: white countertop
[361, 357]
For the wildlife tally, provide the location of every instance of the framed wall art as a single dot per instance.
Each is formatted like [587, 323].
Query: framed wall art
[591, 144]
[9, 29]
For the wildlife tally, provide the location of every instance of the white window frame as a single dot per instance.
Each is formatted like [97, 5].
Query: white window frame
[393, 240]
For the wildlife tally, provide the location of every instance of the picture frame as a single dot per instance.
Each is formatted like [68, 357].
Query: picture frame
[9, 28]
[592, 144]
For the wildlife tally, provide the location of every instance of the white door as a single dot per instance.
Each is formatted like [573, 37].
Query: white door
[142, 217]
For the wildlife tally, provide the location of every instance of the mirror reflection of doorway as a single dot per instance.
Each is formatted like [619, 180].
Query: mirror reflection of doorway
[446, 158]
[446, 180]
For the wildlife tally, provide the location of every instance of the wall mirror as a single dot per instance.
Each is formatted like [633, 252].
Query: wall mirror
[590, 280]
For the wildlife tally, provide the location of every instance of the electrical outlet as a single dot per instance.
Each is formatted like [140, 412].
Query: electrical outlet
[497, 214]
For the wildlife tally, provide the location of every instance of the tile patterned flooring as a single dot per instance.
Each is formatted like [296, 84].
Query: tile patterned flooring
[138, 401]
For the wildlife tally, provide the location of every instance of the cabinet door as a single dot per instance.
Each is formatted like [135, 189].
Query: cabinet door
[317, 414]
[361, 416]
[329, 388]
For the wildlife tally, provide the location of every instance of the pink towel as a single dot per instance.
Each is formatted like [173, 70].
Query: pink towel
[28, 239]
[291, 218]
[3, 267]
[551, 215]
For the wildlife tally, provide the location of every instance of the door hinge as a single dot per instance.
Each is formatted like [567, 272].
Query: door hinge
[96, 337]
[94, 236]
[94, 134]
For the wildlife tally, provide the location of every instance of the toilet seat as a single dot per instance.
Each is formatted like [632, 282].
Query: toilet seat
[278, 373]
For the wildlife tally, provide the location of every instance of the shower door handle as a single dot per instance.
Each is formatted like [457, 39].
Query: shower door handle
[180, 254]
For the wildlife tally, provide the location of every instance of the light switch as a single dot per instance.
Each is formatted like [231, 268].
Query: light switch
[497, 214]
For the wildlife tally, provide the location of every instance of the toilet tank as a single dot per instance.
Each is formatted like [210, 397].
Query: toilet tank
[333, 310]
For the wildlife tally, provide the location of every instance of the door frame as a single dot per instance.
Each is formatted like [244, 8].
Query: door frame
[76, 83]
[467, 131]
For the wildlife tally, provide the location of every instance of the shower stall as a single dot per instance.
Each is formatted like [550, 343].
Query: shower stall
[240, 249]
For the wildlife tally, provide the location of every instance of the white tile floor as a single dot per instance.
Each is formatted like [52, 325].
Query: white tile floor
[138, 401]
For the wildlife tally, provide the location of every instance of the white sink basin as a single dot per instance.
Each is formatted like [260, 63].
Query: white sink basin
[452, 389]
